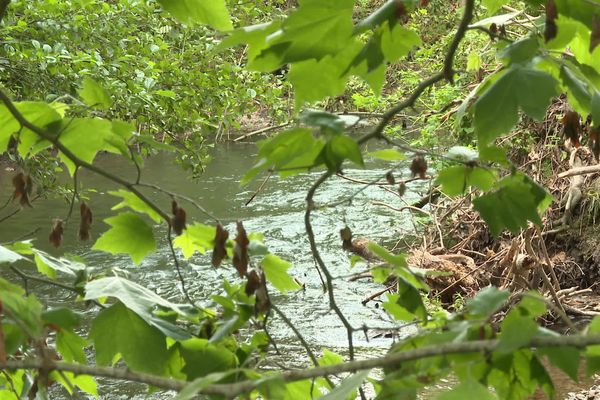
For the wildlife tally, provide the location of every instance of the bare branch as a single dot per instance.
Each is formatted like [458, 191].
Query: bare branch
[235, 389]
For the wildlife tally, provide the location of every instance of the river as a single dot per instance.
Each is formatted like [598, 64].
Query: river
[277, 212]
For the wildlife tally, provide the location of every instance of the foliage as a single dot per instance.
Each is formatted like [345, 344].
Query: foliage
[96, 100]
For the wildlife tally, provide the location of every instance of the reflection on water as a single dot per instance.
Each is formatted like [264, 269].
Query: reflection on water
[277, 212]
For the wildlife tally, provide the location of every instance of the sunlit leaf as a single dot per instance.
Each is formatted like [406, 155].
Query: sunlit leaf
[213, 12]
[94, 95]
[135, 203]
[276, 272]
[128, 234]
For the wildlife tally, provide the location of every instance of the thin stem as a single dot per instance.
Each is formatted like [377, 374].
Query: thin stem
[179, 196]
[178, 268]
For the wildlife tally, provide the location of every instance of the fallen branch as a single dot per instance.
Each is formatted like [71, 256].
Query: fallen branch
[590, 169]
[263, 130]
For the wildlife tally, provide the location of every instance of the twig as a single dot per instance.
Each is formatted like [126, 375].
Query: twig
[179, 196]
[260, 188]
[75, 195]
[301, 339]
[411, 208]
[178, 268]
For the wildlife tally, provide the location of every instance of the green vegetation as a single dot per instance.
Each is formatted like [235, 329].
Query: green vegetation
[133, 78]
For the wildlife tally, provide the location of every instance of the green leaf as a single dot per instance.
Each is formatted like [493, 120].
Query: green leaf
[197, 237]
[532, 305]
[71, 346]
[213, 12]
[340, 148]
[69, 380]
[398, 42]
[94, 95]
[347, 387]
[566, 358]
[48, 265]
[312, 31]
[130, 235]
[330, 358]
[255, 36]
[191, 391]
[398, 260]
[118, 330]
[135, 203]
[496, 111]
[167, 93]
[39, 114]
[521, 51]
[330, 81]
[493, 5]
[140, 300]
[281, 150]
[578, 91]
[487, 301]
[85, 137]
[203, 358]
[276, 273]
[517, 331]
[470, 389]
[514, 202]
[9, 256]
[322, 119]
[473, 62]
[457, 179]
[26, 309]
[388, 155]
[62, 317]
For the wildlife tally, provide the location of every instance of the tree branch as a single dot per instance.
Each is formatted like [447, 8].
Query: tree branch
[76, 160]
[235, 389]
[458, 37]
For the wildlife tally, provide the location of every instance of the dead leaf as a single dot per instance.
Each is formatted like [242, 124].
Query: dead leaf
[551, 30]
[389, 177]
[572, 127]
[178, 221]
[85, 223]
[419, 167]
[262, 304]
[56, 234]
[401, 189]
[253, 283]
[346, 234]
[23, 188]
[219, 251]
[240, 250]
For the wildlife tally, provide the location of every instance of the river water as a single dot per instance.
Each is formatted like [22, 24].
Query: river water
[277, 212]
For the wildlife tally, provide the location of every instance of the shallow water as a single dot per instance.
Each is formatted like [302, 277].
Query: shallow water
[277, 212]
